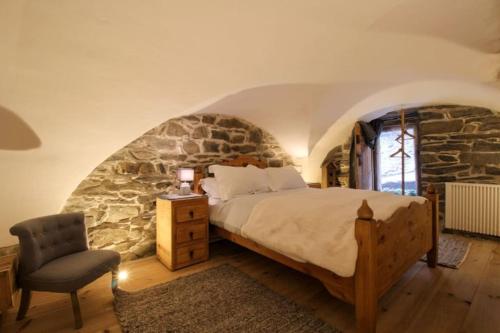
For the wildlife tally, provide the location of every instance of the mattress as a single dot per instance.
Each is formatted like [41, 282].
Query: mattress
[233, 214]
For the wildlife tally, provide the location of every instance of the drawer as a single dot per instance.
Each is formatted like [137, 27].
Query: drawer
[191, 232]
[190, 213]
[191, 253]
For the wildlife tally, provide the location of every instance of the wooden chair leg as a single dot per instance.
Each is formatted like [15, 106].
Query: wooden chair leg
[25, 303]
[76, 310]
[114, 278]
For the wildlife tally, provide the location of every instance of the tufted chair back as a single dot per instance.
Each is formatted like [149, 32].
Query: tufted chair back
[46, 238]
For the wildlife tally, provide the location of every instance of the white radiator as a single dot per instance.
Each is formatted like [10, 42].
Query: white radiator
[473, 208]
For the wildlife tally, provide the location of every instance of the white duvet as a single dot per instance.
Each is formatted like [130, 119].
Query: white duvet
[315, 226]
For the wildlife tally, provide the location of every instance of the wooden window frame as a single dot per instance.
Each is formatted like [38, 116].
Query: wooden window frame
[389, 122]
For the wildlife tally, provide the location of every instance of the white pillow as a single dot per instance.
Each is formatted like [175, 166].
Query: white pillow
[285, 178]
[232, 181]
[260, 178]
[209, 185]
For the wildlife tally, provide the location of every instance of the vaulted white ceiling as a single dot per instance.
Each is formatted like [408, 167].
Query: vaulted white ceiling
[85, 77]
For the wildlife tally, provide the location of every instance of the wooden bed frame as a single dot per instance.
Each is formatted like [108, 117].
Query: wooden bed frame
[387, 249]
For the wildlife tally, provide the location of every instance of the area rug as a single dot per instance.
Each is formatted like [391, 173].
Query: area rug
[221, 299]
[453, 251]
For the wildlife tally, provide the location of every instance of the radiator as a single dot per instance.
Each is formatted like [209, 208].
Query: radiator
[473, 208]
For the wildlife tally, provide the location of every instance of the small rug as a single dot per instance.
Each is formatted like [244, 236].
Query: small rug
[452, 251]
[221, 299]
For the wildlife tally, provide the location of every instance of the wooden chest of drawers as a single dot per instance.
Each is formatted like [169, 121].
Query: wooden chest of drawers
[182, 231]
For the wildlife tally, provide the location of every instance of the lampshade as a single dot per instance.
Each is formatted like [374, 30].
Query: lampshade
[185, 174]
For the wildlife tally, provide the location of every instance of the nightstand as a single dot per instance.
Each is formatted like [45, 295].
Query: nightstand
[314, 185]
[181, 231]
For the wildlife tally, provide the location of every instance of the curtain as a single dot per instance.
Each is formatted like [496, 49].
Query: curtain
[361, 157]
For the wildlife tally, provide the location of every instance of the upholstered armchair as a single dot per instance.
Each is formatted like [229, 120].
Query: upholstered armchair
[55, 257]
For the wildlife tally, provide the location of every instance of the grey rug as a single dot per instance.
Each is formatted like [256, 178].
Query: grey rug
[221, 299]
[453, 251]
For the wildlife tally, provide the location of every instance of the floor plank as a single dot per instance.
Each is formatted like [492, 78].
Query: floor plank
[484, 315]
[451, 302]
[424, 300]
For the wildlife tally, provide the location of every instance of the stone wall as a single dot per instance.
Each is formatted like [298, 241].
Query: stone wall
[118, 197]
[458, 144]
[339, 155]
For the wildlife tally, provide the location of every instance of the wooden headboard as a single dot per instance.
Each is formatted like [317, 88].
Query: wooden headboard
[240, 161]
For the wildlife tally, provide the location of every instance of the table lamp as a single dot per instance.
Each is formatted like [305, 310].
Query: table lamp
[185, 175]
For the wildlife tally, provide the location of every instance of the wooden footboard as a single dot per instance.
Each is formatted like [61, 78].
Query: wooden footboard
[387, 249]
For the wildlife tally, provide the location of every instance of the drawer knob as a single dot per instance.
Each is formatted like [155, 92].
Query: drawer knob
[191, 234]
[191, 213]
[191, 254]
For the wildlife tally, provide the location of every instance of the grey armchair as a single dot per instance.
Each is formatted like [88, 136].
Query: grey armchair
[55, 257]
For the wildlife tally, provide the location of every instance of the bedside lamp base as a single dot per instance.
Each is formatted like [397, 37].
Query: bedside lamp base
[184, 189]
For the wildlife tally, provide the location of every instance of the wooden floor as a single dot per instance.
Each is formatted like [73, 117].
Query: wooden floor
[425, 300]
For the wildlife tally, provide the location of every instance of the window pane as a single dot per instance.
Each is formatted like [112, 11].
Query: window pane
[389, 168]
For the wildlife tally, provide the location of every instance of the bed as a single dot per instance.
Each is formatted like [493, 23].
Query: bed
[385, 247]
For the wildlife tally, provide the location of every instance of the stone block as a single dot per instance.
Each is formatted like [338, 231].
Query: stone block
[493, 170]
[207, 119]
[175, 129]
[237, 138]
[142, 155]
[448, 158]
[163, 185]
[220, 135]
[126, 167]
[173, 157]
[232, 123]
[470, 128]
[244, 149]
[491, 123]
[480, 158]
[146, 169]
[435, 127]
[200, 132]
[226, 149]
[430, 115]
[104, 236]
[144, 248]
[442, 170]
[191, 147]
[481, 145]
[428, 158]
[192, 119]
[438, 179]
[256, 136]
[211, 146]
[275, 163]
[445, 147]
[119, 213]
[268, 154]
[475, 136]
[469, 112]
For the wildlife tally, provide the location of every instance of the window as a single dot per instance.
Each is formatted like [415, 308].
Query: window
[389, 165]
